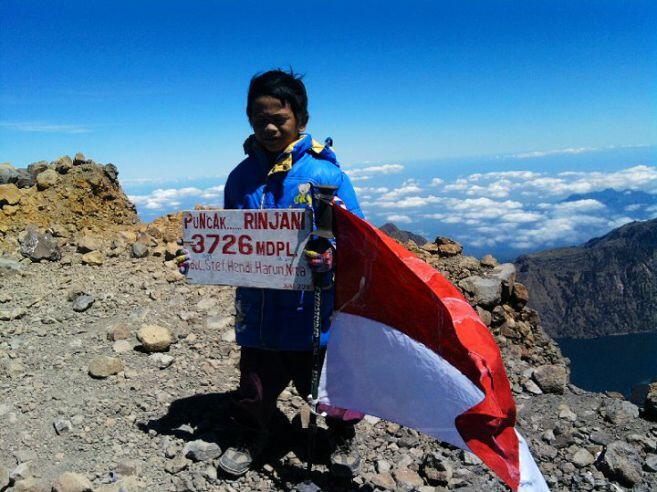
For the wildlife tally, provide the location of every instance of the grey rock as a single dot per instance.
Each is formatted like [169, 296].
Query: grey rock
[582, 458]
[9, 266]
[551, 378]
[506, 272]
[650, 404]
[83, 302]
[39, 246]
[620, 461]
[25, 179]
[620, 412]
[21, 472]
[200, 450]
[139, 250]
[111, 171]
[46, 179]
[161, 360]
[4, 472]
[8, 173]
[62, 425]
[486, 291]
[37, 168]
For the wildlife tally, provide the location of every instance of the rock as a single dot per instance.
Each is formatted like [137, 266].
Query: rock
[104, 366]
[87, 244]
[650, 404]
[111, 171]
[176, 465]
[46, 179]
[566, 413]
[71, 482]
[532, 387]
[488, 261]
[8, 173]
[506, 272]
[62, 425]
[551, 378]
[154, 338]
[122, 346]
[161, 360]
[63, 164]
[620, 461]
[408, 478]
[384, 481]
[37, 168]
[200, 450]
[129, 467]
[582, 458]
[620, 412]
[21, 472]
[25, 179]
[120, 331]
[650, 465]
[82, 302]
[39, 246]
[139, 250]
[520, 294]
[79, 159]
[4, 473]
[9, 266]
[95, 258]
[170, 251]
[9, 195]
[486, 291]
[29, 484]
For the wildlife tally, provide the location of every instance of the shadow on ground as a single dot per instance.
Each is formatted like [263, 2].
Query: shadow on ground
[209, 417]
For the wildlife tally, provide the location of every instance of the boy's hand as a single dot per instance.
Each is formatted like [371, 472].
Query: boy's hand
[182, 259]
[320, 255]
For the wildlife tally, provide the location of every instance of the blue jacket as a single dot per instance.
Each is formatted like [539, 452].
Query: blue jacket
[283, 319]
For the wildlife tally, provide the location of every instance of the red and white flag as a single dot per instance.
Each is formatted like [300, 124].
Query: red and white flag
[407, 347]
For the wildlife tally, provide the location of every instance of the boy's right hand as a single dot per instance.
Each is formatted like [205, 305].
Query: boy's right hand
[182, 259]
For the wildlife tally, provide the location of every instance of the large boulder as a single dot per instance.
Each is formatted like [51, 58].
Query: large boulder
[9, 195]
[486, 291]
[37, 168]
[8, 173]
[39, 246]
[63, 164]
[621, 462]
[46, 179]
[551, 378]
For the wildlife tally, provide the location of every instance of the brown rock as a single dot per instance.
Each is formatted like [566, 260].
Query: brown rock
[520, 294]
[384, 481]
[651, 402]
[9, 195]
[104, 366]
[71, 482]
[89, 243]
[63, 164]
[450, 249]
[408, 478]
[46, 179]
[489, 261]
[95, 258]
[120, 331]
[154, 338]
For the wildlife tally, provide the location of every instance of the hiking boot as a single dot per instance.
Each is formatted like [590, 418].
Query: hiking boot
[345, 458]
[237, 459]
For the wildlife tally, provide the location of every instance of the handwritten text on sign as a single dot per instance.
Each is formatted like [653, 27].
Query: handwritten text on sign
[248, 248]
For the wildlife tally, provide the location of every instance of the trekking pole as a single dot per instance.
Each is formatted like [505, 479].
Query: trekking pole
[324, 229]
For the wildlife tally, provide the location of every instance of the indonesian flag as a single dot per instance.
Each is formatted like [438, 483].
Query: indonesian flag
[407, 347]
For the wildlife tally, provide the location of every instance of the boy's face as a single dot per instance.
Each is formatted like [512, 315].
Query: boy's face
[274, 124]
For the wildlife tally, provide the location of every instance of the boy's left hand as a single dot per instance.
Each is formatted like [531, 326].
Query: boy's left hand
[320, 255]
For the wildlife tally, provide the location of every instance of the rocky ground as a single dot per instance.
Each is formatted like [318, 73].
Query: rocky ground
[115, 375]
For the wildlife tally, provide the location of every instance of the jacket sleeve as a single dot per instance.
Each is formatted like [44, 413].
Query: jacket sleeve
[229, 192]
[347, 194]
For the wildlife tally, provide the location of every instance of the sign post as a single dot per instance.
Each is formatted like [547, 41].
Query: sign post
[249, 248]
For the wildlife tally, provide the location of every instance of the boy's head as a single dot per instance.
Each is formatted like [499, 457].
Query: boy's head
[277, 107]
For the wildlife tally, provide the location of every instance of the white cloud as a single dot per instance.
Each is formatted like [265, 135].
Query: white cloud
[403, 219]
[365, 173]
[40, 127]
[171, 197]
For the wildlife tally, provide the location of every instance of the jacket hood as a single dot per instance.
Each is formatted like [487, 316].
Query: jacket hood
[293, 152]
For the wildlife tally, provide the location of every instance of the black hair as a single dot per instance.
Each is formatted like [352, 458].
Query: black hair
[287, 87]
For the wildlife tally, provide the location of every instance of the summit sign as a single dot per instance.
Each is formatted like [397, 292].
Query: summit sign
[249, 248]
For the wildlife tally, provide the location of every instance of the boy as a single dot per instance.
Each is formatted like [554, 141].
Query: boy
[274, 327]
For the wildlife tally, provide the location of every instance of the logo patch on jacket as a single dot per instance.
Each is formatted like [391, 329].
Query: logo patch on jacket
[304, 197]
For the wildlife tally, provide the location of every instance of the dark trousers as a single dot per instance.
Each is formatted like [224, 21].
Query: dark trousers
[264, 374]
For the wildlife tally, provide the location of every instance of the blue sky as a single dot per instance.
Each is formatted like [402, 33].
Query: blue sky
[418, 96]
[159, 88]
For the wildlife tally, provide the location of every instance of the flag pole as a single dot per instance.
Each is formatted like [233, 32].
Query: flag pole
[324, 229]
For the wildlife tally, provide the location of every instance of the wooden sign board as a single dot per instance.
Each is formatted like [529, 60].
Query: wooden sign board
[249, 248]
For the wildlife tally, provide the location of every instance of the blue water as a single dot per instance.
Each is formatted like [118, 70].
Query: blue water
[613, 363]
